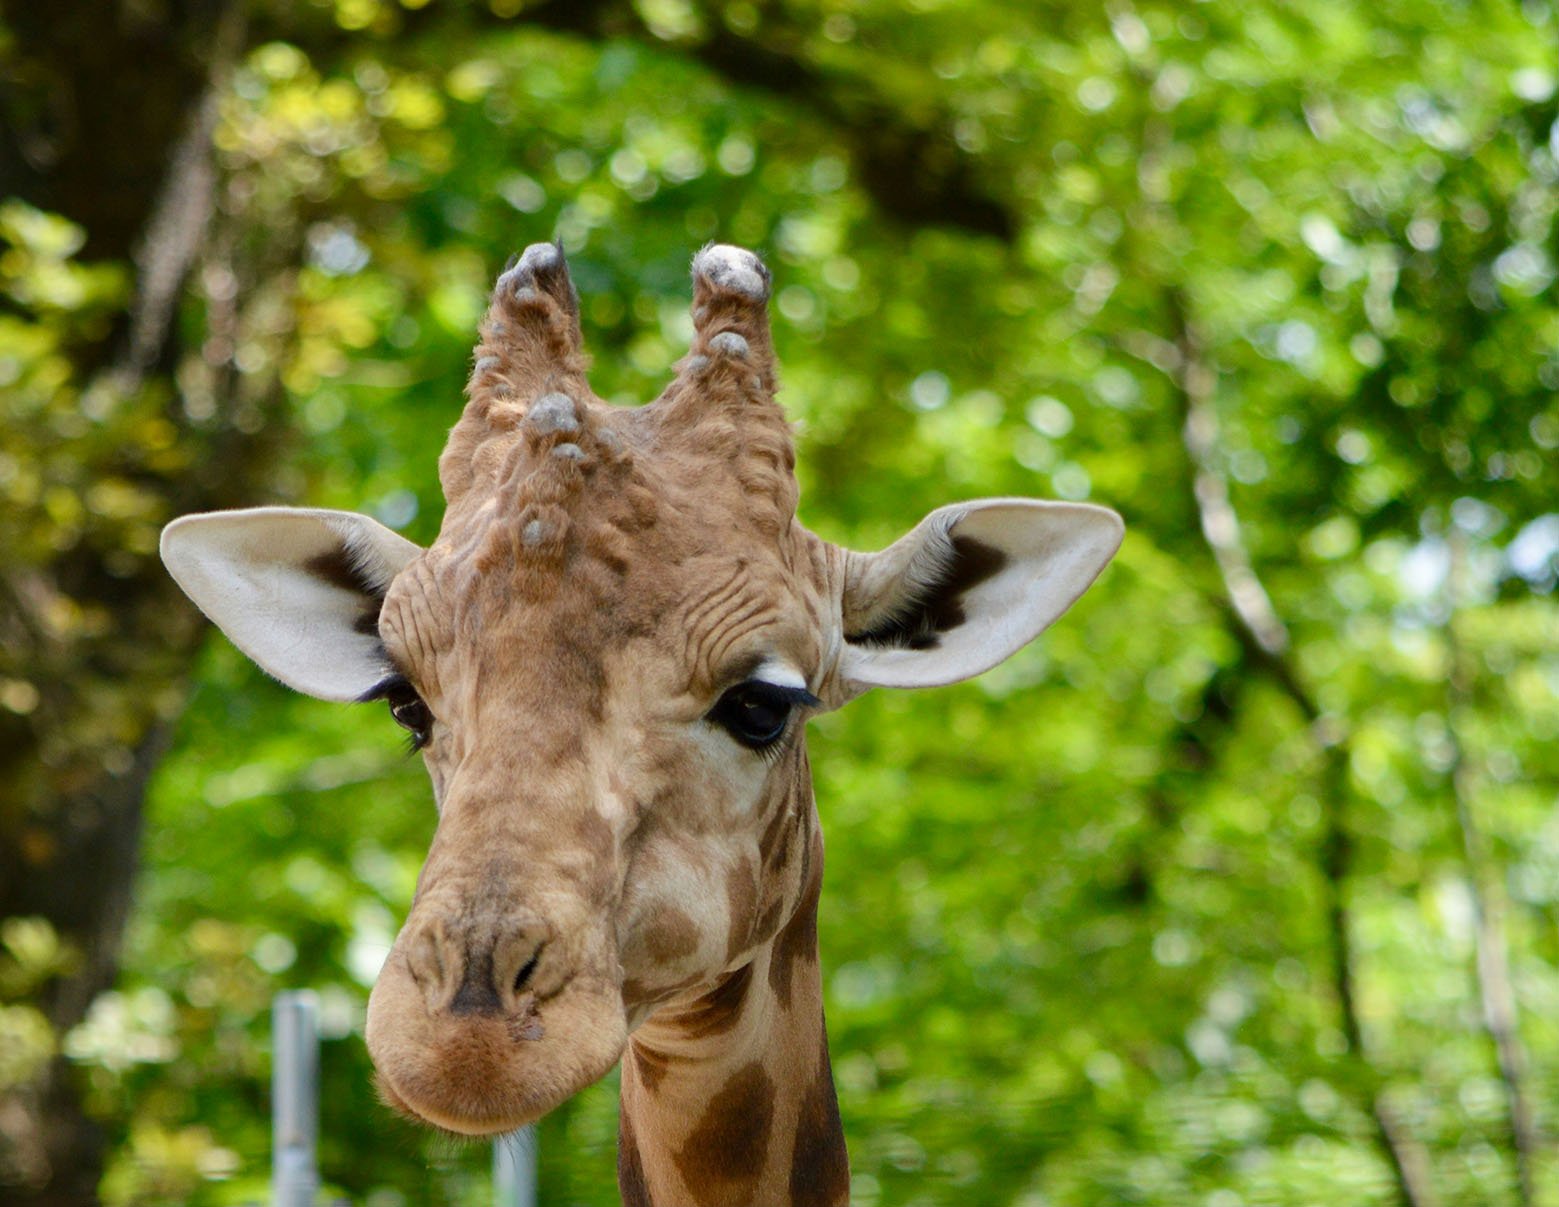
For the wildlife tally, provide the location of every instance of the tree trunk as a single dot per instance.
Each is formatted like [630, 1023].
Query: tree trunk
[106, 121]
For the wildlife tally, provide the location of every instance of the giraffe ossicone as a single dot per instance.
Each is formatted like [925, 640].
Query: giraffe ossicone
[607, 658]
[733, 268]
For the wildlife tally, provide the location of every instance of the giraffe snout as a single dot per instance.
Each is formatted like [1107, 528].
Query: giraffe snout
[486, 1015]
[483, 967]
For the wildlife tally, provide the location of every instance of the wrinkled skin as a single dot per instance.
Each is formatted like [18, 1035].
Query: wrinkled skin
[590, 815]
[607, 659]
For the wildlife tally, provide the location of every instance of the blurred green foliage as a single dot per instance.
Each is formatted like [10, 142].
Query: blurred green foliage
[1078, 922]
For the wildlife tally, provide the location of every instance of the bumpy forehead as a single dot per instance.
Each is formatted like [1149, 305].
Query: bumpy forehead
[595, 518]
[597, 525]
[575, 481]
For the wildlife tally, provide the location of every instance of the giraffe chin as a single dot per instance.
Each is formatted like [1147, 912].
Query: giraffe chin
[480, 1075]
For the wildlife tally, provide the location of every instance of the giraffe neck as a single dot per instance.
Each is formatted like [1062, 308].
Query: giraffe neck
[729, 1098]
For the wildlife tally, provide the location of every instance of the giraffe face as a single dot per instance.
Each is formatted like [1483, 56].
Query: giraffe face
[607, 658]
[616, 749]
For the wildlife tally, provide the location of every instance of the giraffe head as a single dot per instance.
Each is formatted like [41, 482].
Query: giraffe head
[606, 659]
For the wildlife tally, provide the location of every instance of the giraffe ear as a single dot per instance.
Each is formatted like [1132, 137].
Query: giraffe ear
[970, 585]
[297, 590]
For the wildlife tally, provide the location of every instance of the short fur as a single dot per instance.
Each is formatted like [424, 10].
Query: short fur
[617, 870]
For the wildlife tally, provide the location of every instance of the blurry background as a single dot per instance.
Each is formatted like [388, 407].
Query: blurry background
[1241, 886]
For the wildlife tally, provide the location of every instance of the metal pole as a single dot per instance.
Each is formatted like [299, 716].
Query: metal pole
[514, 1169]
[294, 1098]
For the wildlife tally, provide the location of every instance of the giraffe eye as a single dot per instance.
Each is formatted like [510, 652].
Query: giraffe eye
[411, 714]
[756, 713]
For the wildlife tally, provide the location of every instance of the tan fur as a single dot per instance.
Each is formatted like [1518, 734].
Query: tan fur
[601, 577]
[608, 656]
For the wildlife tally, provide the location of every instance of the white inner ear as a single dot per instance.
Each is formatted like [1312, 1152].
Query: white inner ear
[1048, 554]
[298, 590]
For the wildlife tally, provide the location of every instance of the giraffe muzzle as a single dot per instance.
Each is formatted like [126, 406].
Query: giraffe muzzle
[481, 1024]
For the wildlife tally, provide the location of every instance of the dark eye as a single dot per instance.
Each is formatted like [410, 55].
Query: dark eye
[411, 714]
[755, 713]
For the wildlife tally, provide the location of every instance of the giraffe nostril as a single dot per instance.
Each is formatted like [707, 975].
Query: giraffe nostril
[425, 959]
[522, 978]
[521, 964]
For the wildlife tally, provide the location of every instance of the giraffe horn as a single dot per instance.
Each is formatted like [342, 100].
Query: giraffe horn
[530, 349]
[731, 341]
[530, 340]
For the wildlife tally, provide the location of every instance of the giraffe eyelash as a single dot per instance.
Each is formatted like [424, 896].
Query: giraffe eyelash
[407, 707]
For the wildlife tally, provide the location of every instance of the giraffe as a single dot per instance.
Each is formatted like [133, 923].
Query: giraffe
[607, 658]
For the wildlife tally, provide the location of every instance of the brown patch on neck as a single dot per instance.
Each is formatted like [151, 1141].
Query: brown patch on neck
[741, 894]
[718, 1010]
[630, 1166]
[650, 1065]
[797, 940]
[819, 1164]
[726, 1150]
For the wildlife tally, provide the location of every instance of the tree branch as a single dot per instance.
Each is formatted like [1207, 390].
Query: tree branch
[915, 173]
[177, 225]
[1496, 992]
[1267, 640]
[1214, 508]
